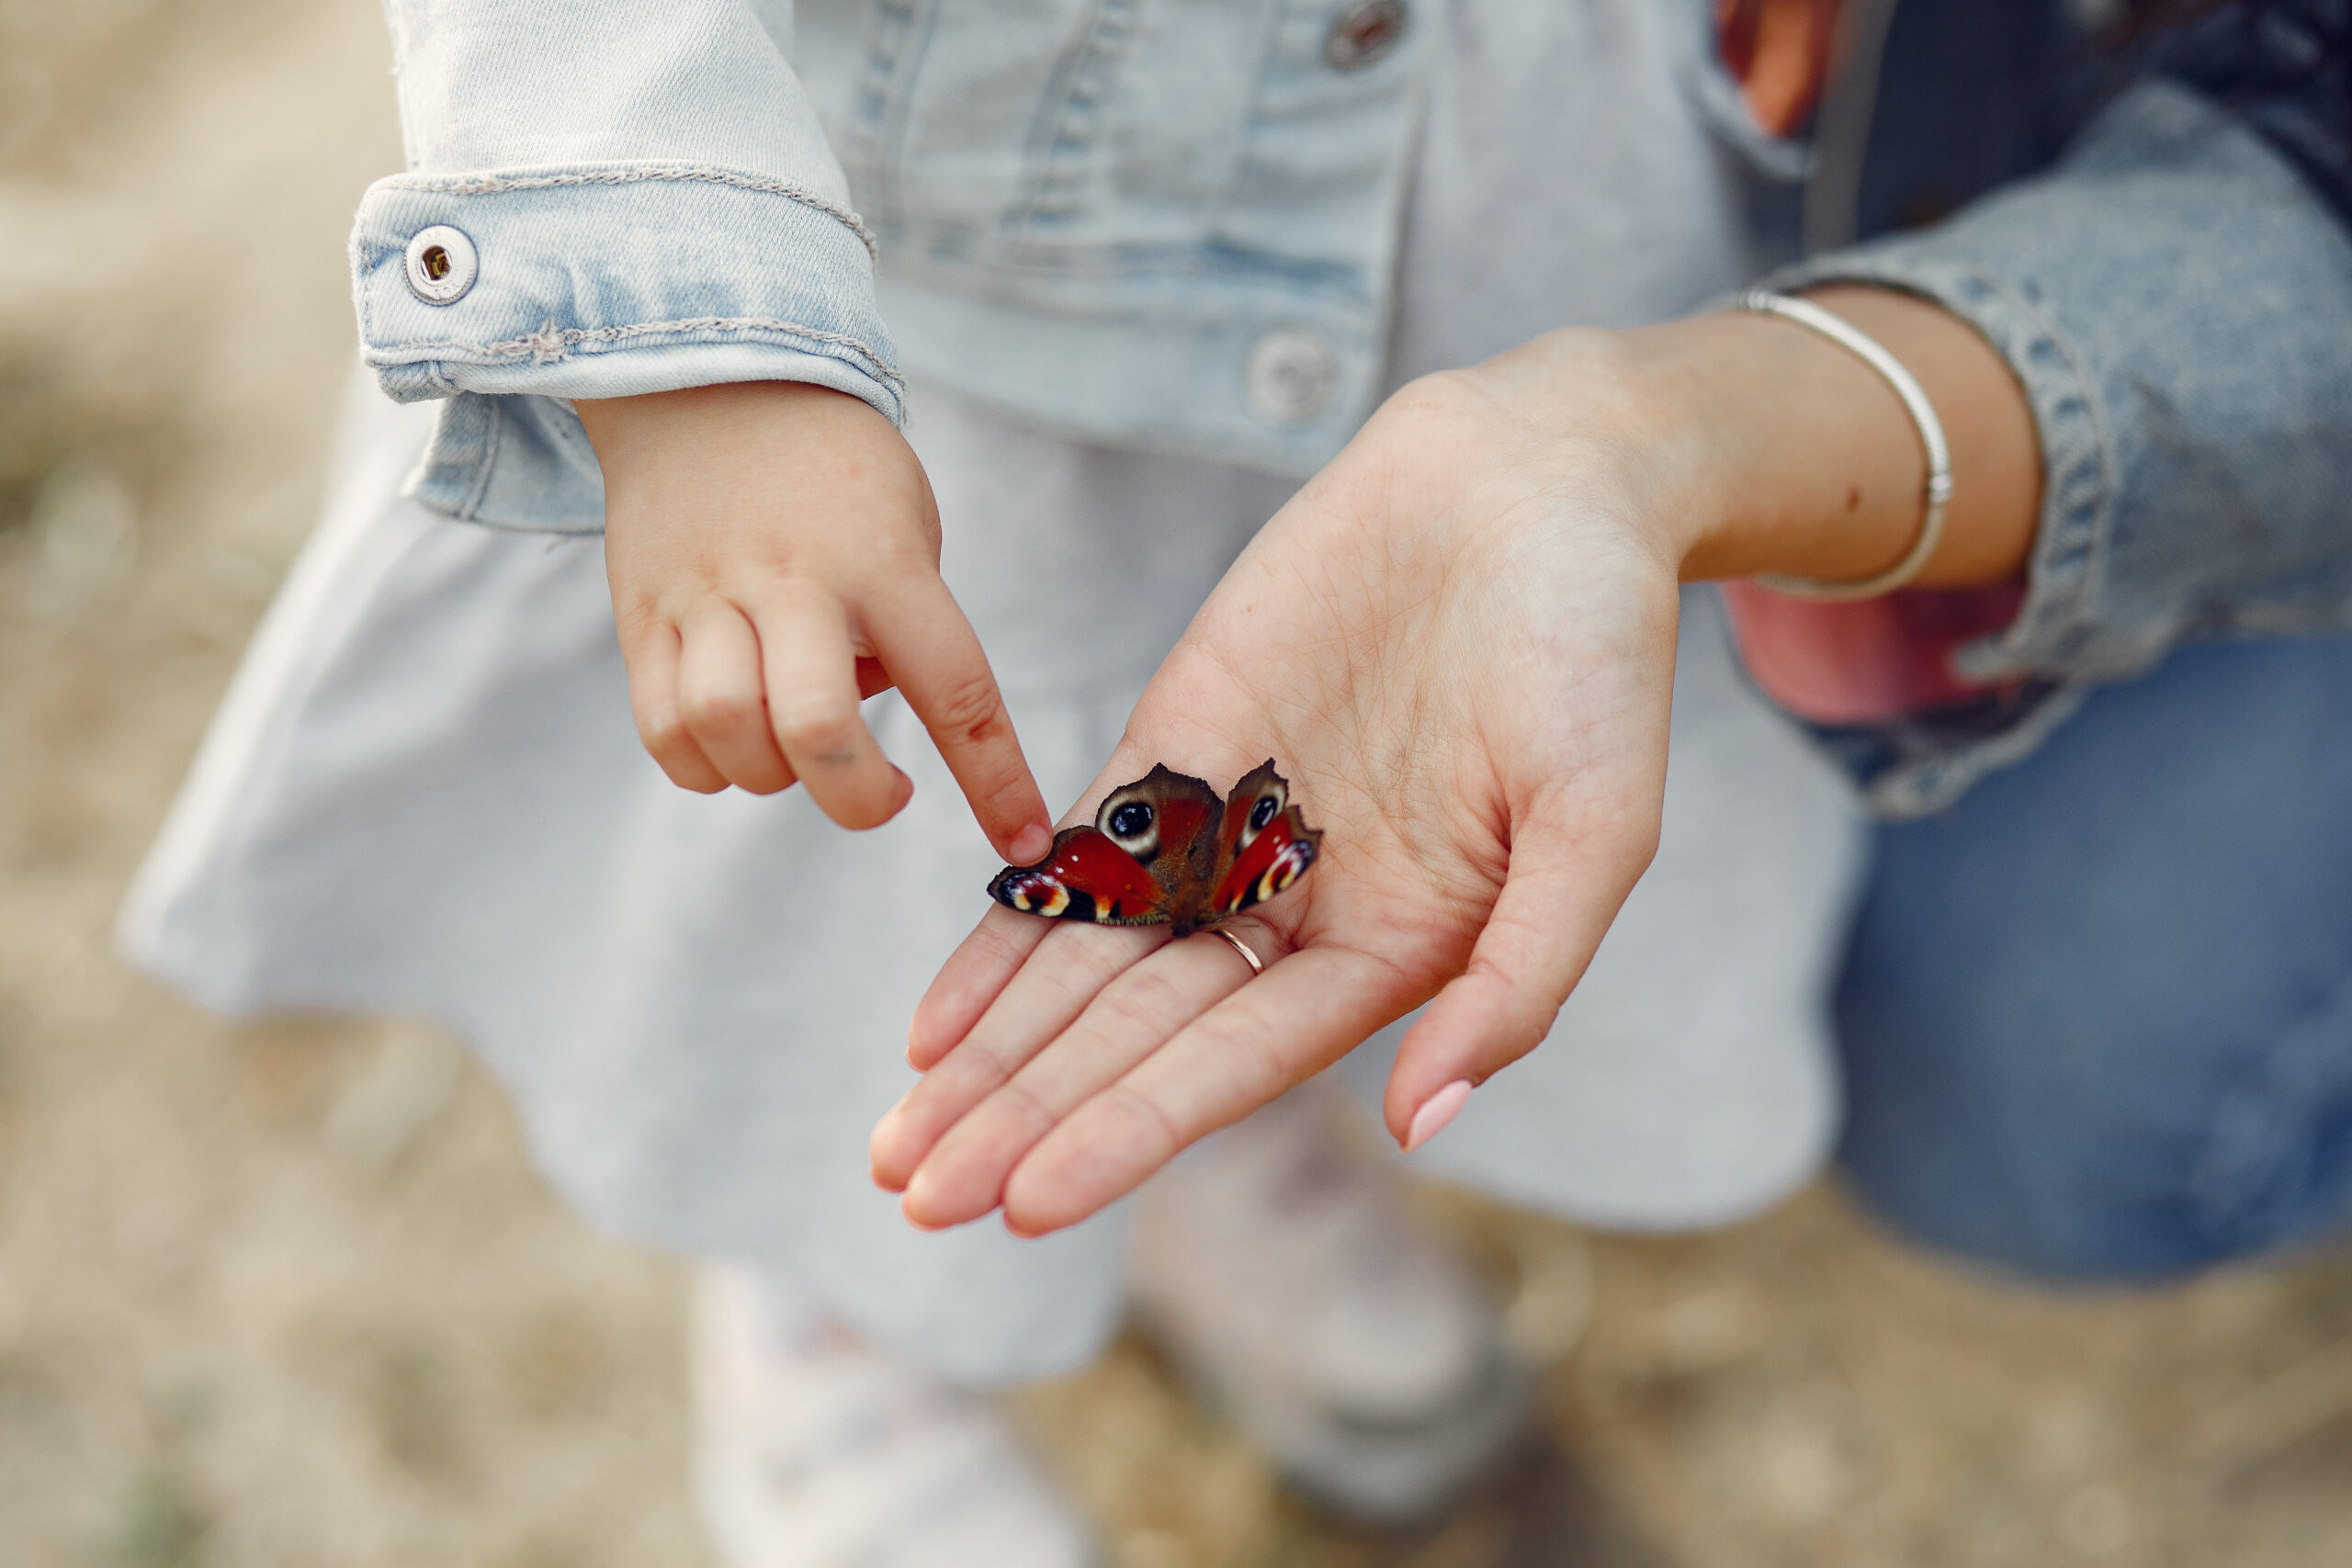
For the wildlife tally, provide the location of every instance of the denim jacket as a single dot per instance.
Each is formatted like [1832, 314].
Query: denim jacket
[1175, 227]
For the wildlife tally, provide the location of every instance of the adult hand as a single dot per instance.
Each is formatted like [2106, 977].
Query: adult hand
[1458, 644]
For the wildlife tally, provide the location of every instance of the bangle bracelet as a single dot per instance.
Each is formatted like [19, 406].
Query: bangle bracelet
[1938, 490]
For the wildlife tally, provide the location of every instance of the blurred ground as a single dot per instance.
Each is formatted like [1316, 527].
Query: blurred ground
[291, 1294]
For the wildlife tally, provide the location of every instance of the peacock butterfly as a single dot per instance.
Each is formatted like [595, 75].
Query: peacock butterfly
[1166, 850]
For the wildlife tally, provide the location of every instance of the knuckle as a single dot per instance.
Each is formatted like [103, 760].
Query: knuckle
[969, 708]
[665, 735]
[899, 553]
[1148, 1000]
[718, 711]
[982, 1067]
[1020, 1106]
[824, 731]
[1159, 1137]
[635, 625]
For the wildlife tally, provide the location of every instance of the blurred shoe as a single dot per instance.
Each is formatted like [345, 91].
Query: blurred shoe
[1277, 1267]
[816, 1450]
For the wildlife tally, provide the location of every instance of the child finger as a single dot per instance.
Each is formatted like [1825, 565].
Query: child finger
[943, 673]
[720, 699]
[812, 712]
[652, 660]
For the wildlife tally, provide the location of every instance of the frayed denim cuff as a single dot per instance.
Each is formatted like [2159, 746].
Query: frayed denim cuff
[2177, 305]
[598, 281]
[1913, 766]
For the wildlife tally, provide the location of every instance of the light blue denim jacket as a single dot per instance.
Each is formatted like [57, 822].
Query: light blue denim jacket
[1173, 224]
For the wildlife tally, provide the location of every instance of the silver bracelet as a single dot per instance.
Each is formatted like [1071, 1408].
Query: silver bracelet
[1839, 330]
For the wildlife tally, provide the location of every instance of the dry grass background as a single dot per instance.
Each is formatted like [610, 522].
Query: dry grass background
[291, 1294]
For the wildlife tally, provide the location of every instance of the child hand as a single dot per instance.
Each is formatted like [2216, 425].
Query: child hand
[774, 554]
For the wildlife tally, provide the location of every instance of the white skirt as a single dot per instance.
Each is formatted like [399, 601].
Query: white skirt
[424, 794]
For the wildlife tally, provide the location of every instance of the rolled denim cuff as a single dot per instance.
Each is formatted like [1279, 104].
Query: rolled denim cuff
[600, 281]
[2177, 305]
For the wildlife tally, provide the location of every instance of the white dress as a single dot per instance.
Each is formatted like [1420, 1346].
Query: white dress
[424, 793]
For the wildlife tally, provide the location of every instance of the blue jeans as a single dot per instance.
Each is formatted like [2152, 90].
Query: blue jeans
[2097, 1021]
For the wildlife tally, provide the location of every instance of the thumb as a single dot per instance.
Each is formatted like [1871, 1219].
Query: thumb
[1563, 889]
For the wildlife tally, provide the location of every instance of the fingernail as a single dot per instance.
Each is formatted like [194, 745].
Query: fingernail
[906, 792]
[1029, 844]
[1435, 1112]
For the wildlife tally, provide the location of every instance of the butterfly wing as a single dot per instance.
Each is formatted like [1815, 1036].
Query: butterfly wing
[1264, 845]
[1085, 877]
[1146, 859]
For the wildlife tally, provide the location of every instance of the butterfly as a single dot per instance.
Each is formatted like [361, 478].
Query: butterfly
[1166, 850]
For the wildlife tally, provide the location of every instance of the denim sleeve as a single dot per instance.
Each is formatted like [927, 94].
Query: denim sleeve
[2175, 298]
[642, 200]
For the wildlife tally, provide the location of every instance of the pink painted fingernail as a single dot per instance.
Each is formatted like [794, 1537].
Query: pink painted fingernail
[1029, 844]
[1435, 1112]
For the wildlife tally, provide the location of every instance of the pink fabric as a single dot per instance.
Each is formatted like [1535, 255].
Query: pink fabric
[1867, 661]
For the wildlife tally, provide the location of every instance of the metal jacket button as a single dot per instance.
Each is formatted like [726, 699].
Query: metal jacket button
[1364, 32]
[1290, 374]
[441, 264]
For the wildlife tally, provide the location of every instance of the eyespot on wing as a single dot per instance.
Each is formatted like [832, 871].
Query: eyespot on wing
[1085, 877]
[1265, 857]
[1259, 798]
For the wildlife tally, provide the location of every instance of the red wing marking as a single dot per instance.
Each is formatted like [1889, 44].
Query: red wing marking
[1265, 844]
[1165, 850]
[1277, 857]
[1234, 832]
[1084, 876]
[1162, 820]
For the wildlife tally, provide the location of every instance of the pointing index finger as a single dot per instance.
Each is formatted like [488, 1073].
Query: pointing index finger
[942, 672]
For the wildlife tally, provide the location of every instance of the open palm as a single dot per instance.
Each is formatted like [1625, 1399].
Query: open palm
[1457, 642]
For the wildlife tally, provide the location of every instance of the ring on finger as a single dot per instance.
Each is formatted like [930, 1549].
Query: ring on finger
[1257, 964]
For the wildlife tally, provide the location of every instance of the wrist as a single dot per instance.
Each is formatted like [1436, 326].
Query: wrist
[624, 431]
[1760, 446]
[1806, 462]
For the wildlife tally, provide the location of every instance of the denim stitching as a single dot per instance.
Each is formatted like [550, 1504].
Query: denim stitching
[1069, 118]
[1243, 166]
[497, 185]
[2071, 553]
[2081, 480]
[550, 343]
[898, 35]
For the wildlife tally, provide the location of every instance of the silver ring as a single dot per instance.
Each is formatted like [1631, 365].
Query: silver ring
[1257, 964]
